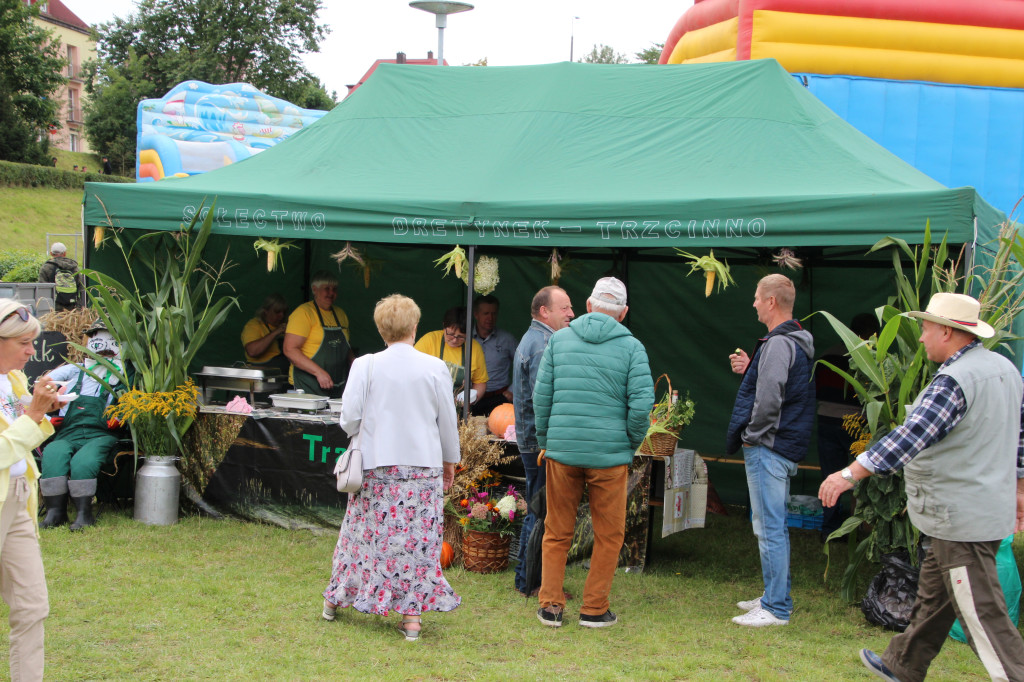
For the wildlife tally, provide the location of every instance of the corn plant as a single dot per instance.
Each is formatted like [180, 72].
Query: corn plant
[166, 310]
[889, 370]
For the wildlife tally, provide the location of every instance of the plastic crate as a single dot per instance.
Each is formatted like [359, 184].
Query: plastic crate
[801, 521]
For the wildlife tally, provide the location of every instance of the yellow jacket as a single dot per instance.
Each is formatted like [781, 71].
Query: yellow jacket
[16, 443]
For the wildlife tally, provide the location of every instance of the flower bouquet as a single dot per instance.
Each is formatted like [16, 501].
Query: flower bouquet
[489, 522]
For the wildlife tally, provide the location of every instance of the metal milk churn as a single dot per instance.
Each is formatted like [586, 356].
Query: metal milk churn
[157, 485]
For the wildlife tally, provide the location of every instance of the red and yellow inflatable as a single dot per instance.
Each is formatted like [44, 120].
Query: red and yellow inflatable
[944, 41]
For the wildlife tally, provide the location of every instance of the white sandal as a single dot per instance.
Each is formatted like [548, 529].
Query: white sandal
[329, 610]
[410, 635]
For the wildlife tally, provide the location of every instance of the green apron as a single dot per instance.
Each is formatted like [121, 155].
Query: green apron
[331, 356]
[457, 371]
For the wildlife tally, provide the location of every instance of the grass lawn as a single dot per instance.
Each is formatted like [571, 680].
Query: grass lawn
[225, 600]
[30, 212]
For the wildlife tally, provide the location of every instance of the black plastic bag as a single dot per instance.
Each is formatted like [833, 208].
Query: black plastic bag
[534, 545]
[891, 595]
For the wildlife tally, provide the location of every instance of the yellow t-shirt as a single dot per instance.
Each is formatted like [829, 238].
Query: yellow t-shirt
[431, 342]
[254, 330]
[304, 322]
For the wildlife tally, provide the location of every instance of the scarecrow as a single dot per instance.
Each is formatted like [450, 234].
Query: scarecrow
[72, 460]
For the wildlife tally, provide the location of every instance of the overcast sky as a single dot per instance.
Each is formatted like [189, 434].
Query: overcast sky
[506, 32]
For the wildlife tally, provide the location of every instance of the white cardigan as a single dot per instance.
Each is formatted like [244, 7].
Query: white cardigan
[410, 413]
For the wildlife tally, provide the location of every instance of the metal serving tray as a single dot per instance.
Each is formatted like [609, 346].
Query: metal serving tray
[334, 404]
[298, 401]
[239, 379]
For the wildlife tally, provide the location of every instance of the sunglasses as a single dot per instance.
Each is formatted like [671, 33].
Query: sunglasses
[21, 312]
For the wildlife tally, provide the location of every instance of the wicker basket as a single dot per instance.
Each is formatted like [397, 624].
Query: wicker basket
[485, 552]
[662, 444]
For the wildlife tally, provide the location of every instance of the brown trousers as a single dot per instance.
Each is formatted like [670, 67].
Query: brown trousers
[607, 491]
[958, 580]
[22, 584]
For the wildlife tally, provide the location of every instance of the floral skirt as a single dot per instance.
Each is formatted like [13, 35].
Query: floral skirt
[388, 556]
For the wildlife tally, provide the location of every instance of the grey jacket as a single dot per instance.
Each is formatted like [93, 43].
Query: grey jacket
[524, 376]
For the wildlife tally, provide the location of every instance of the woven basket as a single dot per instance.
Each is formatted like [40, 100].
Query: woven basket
[485, 552]
[663, 444]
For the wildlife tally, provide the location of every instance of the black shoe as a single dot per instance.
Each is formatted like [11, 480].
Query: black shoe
[56, 511]
[600, 621]
[873, 662]
[85, 516]
[550, 616]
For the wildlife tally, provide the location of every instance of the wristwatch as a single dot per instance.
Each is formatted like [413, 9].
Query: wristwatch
[847, 474]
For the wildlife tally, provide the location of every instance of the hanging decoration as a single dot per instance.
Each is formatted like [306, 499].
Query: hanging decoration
[453, 260]
[485, 275]
[556, 267]
[97, 236]
[273, 247]
[348, 252]
[786, 258]
[712, 268]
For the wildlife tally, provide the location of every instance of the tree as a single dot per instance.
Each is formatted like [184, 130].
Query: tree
[479, 62]
[218, 41]
[30, 72]
[650, 55]
[603, 54]
[110, 113]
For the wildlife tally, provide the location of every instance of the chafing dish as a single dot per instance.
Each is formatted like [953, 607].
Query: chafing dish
[334, 404]
[299, 401]
[251, 379]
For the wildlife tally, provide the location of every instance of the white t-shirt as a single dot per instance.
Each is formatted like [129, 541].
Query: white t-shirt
[10, 409]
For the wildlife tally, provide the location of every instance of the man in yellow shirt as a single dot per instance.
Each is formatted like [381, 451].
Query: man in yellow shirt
[447, 344]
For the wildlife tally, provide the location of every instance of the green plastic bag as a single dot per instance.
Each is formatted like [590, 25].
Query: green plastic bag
[1009, 580]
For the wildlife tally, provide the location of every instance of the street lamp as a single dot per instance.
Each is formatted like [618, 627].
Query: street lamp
[441, 10]
[572, 35]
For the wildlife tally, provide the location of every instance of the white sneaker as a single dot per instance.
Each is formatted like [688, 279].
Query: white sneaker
[749, 605]
[759, 618]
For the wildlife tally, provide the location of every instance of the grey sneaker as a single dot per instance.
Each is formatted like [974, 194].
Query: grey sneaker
[550, 616]
[602, 620]
[749, 605]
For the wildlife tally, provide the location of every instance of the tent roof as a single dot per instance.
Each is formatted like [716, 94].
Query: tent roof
[705, 155]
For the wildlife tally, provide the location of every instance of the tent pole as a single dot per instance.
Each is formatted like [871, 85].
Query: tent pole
[467, 348]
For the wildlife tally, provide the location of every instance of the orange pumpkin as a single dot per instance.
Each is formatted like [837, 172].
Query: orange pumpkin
[447, 554]
[501, 418]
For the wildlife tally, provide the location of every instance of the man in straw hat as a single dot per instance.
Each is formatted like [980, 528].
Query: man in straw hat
[961, 454]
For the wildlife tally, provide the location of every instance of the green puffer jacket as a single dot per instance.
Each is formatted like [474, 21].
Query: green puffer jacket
[593, 394]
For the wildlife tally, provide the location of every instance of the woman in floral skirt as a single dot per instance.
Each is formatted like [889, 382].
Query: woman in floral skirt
[399, 402]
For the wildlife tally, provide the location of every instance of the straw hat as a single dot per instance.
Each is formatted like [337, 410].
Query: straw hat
[957, 311]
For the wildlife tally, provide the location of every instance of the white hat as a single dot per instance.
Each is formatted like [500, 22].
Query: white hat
[609, 290]
[958, 311]
[58, 247]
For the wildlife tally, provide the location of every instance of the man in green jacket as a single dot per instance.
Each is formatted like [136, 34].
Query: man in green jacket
[592, 402]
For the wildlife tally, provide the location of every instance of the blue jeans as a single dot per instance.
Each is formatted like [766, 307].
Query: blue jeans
[768, 477]
[535, 480]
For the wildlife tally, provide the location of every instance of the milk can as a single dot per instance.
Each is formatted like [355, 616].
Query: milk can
[157, 485]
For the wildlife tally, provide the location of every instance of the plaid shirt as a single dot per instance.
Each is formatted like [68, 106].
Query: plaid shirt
[942, 407]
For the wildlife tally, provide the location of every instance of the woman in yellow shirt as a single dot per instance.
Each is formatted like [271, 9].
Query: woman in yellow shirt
[316, 341]
[261, 336]
[447, 344]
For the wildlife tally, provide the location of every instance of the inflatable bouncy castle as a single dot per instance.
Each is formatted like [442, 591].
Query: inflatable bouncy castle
[939, 83]
[197, 127]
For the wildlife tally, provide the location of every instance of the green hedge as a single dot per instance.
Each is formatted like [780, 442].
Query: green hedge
[28, 175]
[20, 265]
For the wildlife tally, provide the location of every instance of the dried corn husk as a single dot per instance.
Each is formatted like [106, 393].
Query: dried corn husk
[72, 324]
[351, 252]
[453, 260]
[712, 268]
[786, 258]
[556, 267]
[273, 247]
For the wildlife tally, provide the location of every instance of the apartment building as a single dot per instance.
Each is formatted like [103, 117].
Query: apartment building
[77, 47]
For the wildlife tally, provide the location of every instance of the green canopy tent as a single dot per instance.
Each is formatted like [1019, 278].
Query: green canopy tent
[610, 164]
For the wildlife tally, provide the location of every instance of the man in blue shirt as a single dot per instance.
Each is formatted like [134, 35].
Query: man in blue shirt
[960, 449]
[551, 310]
[499, 349]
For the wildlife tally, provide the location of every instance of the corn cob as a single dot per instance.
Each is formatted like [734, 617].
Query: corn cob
[712, 268]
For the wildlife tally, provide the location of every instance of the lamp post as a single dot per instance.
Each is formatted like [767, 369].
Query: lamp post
[572, 35]
[441, 10]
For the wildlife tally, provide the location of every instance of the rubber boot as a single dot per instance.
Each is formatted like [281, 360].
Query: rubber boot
[82, 492]
[85, 516]
[56, 511]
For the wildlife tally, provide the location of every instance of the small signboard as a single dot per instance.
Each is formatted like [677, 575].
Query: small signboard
[51, 349]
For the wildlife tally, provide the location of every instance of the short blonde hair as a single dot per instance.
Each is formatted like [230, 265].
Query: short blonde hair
[13, 326]
[396, 317]
[781, 287]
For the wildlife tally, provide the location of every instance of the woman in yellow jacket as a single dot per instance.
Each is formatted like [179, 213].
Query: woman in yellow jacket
[22, 428]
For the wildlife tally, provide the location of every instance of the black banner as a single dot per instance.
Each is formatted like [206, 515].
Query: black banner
[51, 347]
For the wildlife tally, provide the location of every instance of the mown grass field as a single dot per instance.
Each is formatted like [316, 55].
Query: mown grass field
[29, 213]
[225, 600]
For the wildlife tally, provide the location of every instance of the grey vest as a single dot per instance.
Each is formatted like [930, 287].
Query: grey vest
[964, 488]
